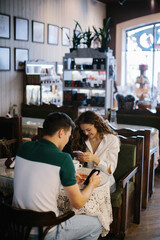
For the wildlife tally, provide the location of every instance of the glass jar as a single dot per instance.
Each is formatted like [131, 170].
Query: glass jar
[113, 116]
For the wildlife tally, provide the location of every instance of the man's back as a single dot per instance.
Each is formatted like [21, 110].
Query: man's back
[39, 170]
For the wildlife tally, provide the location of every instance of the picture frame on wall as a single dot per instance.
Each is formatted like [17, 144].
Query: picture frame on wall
[60, 68]
[20, 56]
[38, 32]
[21, 29]
[52, 34]
[65, 35]
[5, 59]
[4, 26]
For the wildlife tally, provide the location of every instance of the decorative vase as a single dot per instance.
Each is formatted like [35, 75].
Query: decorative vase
[8, 162]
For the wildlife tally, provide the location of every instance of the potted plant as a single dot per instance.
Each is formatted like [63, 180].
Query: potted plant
[103, 35]
[125, 102]
[77, 36]
[88, 37]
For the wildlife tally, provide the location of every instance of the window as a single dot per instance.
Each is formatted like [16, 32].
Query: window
[142, 61]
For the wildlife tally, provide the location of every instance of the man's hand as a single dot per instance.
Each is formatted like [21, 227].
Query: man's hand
[81, 177]
[95, 179]
[78, 198]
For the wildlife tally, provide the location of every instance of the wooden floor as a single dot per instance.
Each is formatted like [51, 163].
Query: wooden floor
[149, 228]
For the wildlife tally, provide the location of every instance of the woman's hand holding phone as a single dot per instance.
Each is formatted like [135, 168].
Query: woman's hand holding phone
[78, 152]
[86, 157]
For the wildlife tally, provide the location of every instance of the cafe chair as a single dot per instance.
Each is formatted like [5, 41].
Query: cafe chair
[152, 152]
[138, 117]
[149, 161]
[35, 111]
[16, 224]
[39, 134]
[127, 199]
[11, 130]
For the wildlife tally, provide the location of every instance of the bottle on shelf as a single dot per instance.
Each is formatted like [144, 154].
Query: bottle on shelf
[113, 116]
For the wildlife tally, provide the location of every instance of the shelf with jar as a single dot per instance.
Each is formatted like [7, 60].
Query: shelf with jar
[87, 81]
[41, 84]
[94, 64]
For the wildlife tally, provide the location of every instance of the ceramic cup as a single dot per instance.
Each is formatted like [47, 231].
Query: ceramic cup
[77, 164]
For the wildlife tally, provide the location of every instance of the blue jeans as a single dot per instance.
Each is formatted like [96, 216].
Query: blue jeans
[82, 227]
[79, 227]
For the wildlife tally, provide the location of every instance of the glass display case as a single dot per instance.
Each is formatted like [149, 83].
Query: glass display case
[42, 84]
[88, 77]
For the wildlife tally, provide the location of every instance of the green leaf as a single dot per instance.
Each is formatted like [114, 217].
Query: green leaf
[77, 25]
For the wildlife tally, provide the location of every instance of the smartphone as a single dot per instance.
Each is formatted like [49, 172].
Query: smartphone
[78, 152]
[91, 173]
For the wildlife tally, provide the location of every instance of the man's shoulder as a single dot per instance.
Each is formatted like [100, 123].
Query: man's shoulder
[62, 157]
[26, 145]
[42, 153]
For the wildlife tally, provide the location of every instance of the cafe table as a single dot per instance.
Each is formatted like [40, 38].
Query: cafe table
[98, 205]
[6, 178]
[154, 141]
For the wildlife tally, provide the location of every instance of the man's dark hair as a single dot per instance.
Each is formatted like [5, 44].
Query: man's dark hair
[55, 121]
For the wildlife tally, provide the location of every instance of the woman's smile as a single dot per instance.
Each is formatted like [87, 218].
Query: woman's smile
[89, 130]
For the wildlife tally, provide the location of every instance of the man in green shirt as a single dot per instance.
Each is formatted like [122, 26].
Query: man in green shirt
[43, 167]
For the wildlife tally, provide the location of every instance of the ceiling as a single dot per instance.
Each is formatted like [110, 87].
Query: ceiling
[115, 1]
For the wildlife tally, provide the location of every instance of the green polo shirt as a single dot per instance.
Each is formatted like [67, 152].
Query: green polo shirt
[44, 151]
[40, 169]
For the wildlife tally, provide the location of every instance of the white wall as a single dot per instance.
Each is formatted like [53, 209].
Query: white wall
[57, 12]
[120, 40]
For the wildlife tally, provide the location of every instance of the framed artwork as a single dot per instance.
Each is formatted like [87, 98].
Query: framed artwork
[5, 59]
[4, 26]
[65, 36]
[20, 56]
[37, 32]
[21, 29]
[60, 68]
[52, 34]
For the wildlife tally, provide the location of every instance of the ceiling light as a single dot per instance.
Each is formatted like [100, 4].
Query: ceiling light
[121, 2]
[152, 4]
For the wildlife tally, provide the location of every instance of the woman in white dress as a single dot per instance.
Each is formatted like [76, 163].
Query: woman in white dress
[98, 142]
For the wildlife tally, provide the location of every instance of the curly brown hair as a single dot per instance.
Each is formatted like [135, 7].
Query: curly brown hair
[88, 117]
